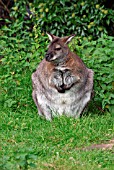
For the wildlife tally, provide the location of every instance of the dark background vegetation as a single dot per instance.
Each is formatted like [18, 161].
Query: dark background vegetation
[62, 17]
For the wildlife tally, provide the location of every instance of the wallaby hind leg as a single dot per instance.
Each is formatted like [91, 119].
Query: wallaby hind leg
[34, 98]
[36, 102]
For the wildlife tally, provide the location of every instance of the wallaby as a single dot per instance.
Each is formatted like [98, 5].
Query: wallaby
[62, 84]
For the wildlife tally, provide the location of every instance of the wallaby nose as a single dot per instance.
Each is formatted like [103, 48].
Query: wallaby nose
[48, 56]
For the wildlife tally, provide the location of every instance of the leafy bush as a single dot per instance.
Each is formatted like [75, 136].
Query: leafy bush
[85, 18]
[20, 52]
[99, 56]
[23, 53]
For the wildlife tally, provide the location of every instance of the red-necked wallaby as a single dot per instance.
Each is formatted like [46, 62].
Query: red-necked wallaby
[62, 84]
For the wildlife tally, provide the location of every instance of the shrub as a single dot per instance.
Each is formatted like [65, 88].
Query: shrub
[99, 56]
[85, 18]
[20, 52]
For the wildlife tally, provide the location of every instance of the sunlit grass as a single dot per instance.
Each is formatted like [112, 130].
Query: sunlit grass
[27, 141]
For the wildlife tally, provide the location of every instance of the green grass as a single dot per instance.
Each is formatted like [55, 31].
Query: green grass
[29, 142]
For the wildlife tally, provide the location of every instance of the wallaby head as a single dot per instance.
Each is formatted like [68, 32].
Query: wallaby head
[58, 48]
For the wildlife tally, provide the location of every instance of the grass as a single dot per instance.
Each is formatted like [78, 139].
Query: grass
[29, 142]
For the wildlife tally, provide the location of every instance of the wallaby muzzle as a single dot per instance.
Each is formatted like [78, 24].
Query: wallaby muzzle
[48, 56]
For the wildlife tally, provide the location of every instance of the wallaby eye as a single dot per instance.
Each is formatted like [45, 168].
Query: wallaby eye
[57, 49]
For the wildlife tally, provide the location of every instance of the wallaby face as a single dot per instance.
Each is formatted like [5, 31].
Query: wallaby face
[62, 84]
[55, 53]
[58, 49]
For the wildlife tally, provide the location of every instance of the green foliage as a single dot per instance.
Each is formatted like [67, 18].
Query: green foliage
[99, 56]
[85, 18]
[23, 50]
[20, 52]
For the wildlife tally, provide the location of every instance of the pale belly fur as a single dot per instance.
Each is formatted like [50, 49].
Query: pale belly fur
[69, 103]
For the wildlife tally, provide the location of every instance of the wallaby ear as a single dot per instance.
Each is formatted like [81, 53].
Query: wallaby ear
[51, 36]
[67, 39]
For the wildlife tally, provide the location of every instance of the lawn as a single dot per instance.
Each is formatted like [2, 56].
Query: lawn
[29, 142]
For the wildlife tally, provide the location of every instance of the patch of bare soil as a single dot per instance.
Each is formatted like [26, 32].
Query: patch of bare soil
[103, 146]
